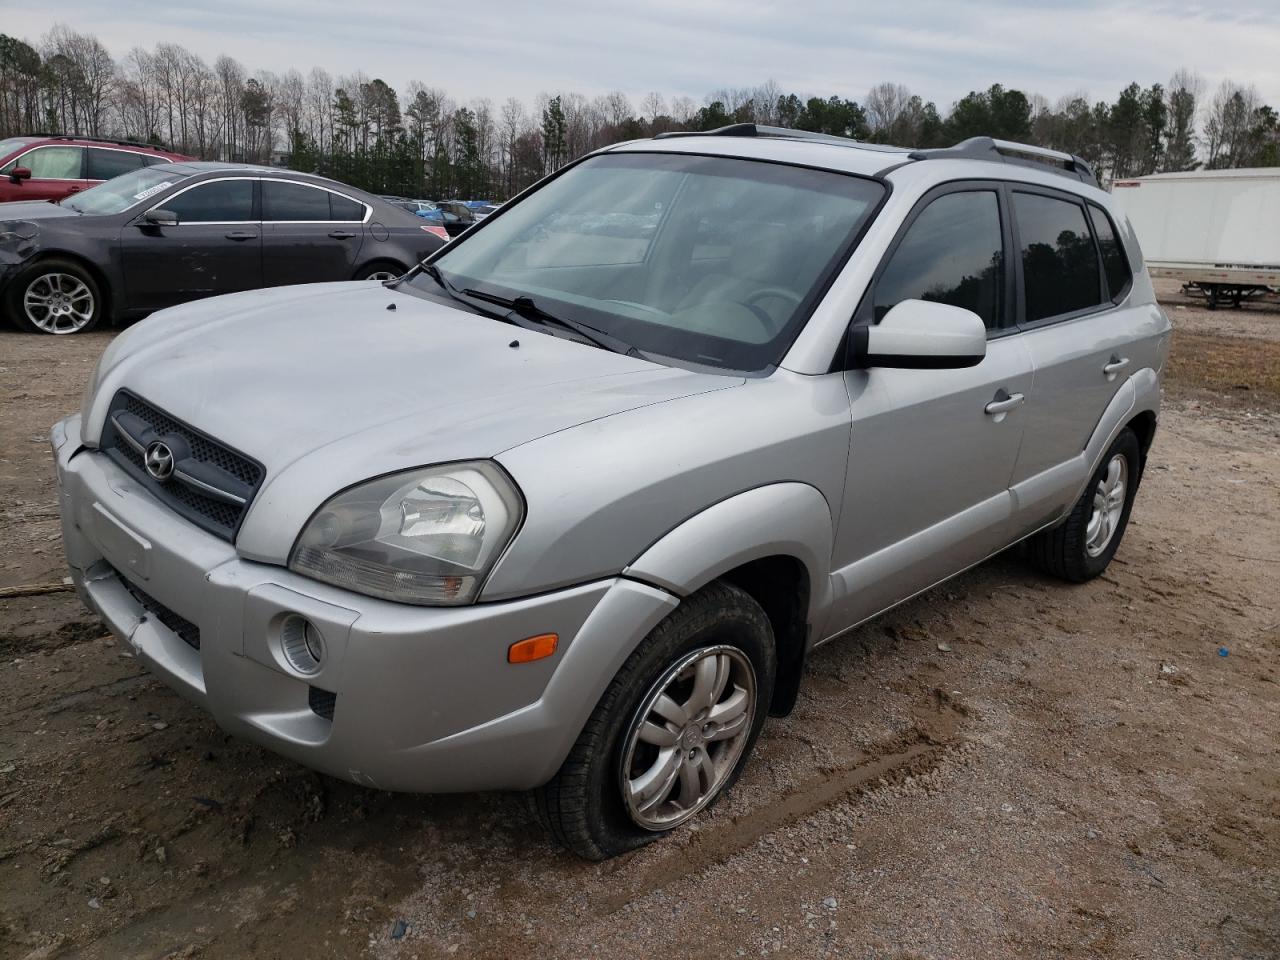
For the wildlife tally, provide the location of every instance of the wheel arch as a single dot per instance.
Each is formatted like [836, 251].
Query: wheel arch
[94, 270]
[775, 543]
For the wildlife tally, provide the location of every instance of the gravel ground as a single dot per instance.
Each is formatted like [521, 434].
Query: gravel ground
[1004, 767]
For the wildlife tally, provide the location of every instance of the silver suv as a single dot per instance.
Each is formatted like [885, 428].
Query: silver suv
[566, 508]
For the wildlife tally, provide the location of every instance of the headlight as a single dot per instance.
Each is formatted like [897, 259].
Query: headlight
[427, 536]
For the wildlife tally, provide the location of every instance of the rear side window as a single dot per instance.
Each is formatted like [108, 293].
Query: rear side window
[105, 164]
[340, 208]
[283, 201]
[1114, 262]
[221, 201]
[952, 253]
[1059, 261]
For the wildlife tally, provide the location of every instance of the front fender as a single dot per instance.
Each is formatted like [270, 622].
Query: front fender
[782, 519]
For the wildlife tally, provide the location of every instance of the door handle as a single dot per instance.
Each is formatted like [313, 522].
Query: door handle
[242, 235]
[1115, 366]
[74, 189]
[341, 234]
[1002, 404]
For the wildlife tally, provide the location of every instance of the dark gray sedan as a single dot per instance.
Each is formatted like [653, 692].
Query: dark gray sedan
[165, 235]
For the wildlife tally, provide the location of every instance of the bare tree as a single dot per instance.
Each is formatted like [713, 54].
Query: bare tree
[885, 105]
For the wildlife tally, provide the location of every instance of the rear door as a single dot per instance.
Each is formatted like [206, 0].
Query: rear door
[310, 234]
[1073, 280]
[927, 489]
[56, 171]
[215, 248]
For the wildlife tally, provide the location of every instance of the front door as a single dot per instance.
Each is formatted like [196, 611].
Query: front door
[215, 248]
[932, 451]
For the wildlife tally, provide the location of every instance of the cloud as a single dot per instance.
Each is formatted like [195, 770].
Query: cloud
[501, 48]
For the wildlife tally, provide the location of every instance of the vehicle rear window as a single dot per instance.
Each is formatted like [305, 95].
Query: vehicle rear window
[219, 201]
[282, 201]
[952, 253]
[105, 164]
[1114, 262]
[340, 208]
[1059, 260]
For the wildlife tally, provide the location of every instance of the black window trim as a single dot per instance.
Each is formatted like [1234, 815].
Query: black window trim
[1020, 304]
[1119, 297]
[864, 315]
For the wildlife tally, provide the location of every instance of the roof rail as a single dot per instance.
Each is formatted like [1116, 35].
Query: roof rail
[1006, 151]
[760, 130]
[119, 143]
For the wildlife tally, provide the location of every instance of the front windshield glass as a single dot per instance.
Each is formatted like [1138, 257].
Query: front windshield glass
[710, 260]
[118, 195]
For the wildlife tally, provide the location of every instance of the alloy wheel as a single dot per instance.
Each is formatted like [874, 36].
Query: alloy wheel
[58, 303]
[1108, 505]
[687, 736]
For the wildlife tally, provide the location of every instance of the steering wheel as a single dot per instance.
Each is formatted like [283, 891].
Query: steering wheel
[776, 293]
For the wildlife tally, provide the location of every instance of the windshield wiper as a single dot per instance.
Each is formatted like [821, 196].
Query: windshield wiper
[432, 271]
[528, 308]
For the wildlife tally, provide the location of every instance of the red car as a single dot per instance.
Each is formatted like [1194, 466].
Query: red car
[49, 167]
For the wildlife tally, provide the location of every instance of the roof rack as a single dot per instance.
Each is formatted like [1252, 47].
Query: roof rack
[760, 130]
[119, 143]
[1006, 151]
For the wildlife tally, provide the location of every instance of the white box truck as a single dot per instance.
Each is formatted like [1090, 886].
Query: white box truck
[1218, 231]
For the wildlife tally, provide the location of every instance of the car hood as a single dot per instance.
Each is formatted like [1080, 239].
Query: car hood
[330, 384]
[33, 210]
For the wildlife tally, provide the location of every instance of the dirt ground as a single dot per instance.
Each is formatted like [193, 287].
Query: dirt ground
[1005, 767]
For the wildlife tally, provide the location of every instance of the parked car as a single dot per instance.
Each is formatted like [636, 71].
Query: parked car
[484, 211]
[572, 515]
[167, 234]
[49, 167]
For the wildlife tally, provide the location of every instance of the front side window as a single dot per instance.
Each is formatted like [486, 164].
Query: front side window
[219, 201]
[50, 163]
[952, 253]
[1059, 261]
[709, 260]
[1114, 263]
[105, 164]
[283, 201]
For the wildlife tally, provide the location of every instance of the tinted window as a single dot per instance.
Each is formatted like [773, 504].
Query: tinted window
[51, 163]
[1114, 261]
[1059, 260]
[105, 164]
[219, 201]
[293, 201]
[340, 208]
[952, 253]
[151, 161]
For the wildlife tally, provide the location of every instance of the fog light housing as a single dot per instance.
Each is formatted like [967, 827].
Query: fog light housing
[302, 644]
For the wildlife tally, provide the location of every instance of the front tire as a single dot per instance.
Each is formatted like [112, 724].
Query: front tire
[55, 296]
[382, 271]
[1081, 548]
[673, 730]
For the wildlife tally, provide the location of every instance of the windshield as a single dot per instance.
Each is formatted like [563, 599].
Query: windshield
[711, 260]
[118, 195]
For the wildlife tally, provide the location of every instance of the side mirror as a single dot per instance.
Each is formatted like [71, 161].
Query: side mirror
[160, 218]
[920, 335]
[18, 174]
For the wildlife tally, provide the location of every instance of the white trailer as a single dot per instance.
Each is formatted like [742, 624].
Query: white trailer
[1218, 231]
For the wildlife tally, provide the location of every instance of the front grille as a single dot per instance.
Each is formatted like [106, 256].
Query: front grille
[187, 631]
[215, 461]
[321, 702]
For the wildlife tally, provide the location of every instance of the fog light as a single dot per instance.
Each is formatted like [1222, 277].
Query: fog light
[302, 643]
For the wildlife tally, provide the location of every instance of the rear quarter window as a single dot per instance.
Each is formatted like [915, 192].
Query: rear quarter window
[1115, 264]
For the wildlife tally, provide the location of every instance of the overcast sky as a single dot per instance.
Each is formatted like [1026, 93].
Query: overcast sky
[500, 48]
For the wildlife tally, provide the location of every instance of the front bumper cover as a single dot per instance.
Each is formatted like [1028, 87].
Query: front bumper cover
[423, 698]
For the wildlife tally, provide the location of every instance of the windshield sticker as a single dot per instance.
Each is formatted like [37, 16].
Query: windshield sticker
[151, 191]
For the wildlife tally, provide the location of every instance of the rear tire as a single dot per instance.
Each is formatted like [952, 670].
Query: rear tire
[54, 296]
[1081, 548]
[599, 805]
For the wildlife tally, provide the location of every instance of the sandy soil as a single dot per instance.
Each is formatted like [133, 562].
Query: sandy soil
[1005, 767]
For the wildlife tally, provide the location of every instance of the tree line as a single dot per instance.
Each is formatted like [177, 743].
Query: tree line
[421, 142]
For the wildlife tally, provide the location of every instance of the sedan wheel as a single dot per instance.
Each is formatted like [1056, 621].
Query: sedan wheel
[382, 276]
[685, 739]
[59, 303]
